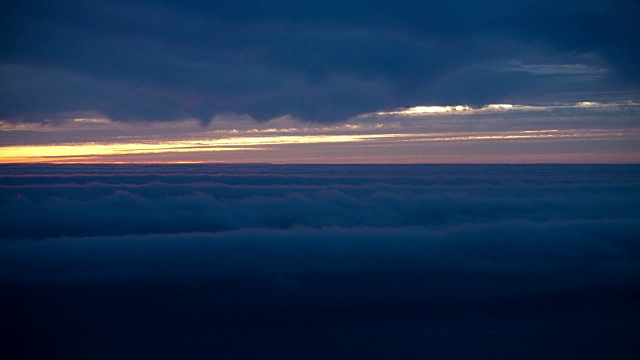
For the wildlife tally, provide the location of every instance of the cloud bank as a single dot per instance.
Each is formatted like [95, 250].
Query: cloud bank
[323, 61]
[214, 199]
[267, 260]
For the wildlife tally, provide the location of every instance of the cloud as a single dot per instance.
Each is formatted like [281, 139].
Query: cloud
[141, 203]
[241, 256]
[317, 61]
[502, 108]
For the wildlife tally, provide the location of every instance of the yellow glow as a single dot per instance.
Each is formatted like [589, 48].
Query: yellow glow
[114, 152]
[39, 153]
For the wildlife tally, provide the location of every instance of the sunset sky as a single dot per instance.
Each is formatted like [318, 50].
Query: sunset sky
[320, 82]
[320, 179]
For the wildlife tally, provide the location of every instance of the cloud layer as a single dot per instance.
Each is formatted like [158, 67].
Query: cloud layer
[271, 261]
[214, 199]
[323, 61]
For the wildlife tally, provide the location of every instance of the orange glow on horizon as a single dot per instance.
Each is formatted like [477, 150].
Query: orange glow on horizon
[351, 145]
[84, 151]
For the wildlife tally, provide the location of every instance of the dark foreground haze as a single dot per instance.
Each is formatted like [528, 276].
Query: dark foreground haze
[320, 262]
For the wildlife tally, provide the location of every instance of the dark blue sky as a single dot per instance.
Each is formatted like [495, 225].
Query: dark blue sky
[314, 60]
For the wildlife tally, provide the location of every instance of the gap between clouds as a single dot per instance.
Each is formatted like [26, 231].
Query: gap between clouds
[58, 140]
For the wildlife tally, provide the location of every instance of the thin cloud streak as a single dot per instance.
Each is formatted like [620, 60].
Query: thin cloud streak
[492, 108]
[79, 152]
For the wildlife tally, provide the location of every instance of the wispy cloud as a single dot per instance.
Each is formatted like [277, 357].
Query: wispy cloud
[496, 108]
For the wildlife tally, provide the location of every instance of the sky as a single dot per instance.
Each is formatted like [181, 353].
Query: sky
[320, 81]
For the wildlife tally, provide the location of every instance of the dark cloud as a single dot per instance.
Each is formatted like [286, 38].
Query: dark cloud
[352, 261]
[140, 203]
[313, 60]
[348, 261]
